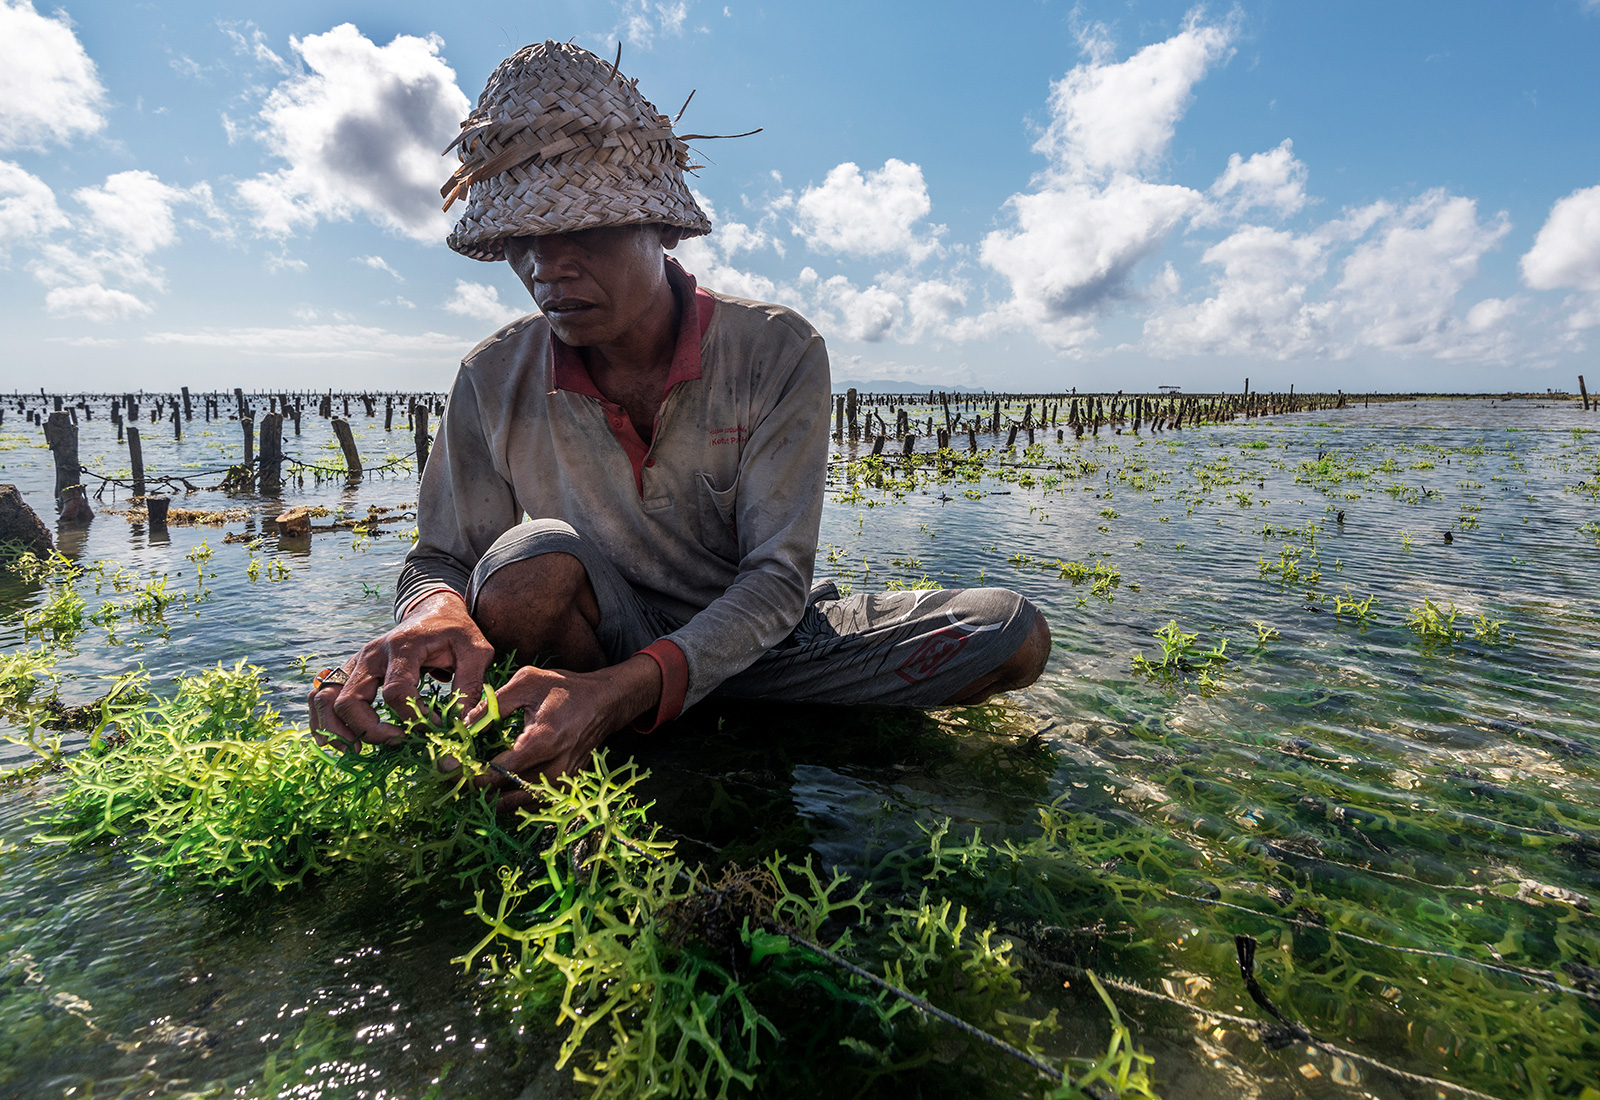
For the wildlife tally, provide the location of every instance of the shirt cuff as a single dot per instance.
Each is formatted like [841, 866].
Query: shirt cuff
[674, 683]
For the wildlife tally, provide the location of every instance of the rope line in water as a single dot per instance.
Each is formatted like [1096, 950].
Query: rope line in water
[1257, 1025]
[1516, 972]
[906, 995]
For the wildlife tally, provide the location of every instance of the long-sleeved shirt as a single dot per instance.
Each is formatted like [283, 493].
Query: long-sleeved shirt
[713, 520]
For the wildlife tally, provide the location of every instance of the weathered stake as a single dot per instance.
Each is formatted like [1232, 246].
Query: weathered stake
[347, 443]
[62, 436]
[272, 453]
[419, 418]
[136, 460]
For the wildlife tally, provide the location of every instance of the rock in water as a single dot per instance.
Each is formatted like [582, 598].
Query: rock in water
[19, 523]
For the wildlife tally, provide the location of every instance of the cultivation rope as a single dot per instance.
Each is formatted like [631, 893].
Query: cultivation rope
[1515, 972]
[844, 964]
[1259, 1026]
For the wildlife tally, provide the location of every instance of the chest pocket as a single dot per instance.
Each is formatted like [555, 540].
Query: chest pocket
[719, 516]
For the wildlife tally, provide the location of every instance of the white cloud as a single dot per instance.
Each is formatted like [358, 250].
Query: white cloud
[481, 302]
[867, 315]
[709, 258]
[361, 132]
[49, 90]
[378, 263]
[93, 302]
[131, 212]
[1113, 117]
[1259, 306]
[639, 21]
[1399, 284]
[1093, 217]
[868, 215]
[1399, 290]
[1566, 255]
[1273, 180]
[340, 341]
[1074, 249]
[28, 210]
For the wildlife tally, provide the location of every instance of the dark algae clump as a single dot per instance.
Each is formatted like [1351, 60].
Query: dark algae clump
[1307, 804]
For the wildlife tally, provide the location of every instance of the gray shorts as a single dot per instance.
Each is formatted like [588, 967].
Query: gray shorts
[913, 648]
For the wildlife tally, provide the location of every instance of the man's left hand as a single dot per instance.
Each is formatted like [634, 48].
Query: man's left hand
[567, 715]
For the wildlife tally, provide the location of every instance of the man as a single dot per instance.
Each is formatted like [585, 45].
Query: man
[670, 448]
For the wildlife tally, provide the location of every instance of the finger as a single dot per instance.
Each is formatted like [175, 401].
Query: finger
[401, 681]
[327, 722]
[354, 704]
[472, 659]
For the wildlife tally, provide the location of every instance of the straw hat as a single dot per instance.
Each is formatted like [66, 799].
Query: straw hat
[560, 141]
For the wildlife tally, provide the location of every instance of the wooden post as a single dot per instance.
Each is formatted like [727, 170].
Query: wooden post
[249, 426]
[188, 412]
[347, 442]
[388, 414]
[419, 419]
[177, 424]
[1582, 389]
[877, 444]
[136, 460]
[851, 404]
[62, 436]
[838, 426]
[156, 508]
[910, 441]
[972, 440]
[272, 453]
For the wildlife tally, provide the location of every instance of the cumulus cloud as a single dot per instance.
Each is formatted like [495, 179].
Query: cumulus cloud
[1273, 181]
[710, 258]
[1402, 273]
[868, 215]
[1399, 290]
[49, 90]
[1074, 248]
[1093, 216]
[94, 303]
[1566, 255]
[360, 131]
[28, 210]
[1119, 117]
[1260, 303]
[132, 212]
[481, 302]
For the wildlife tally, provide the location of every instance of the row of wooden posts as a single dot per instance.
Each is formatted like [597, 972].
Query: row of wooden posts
[263, 471]
[859, 416]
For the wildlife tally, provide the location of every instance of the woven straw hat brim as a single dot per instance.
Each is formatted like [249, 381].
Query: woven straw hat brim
[558, 142]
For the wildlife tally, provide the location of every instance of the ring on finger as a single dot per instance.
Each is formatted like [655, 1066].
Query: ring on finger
[329, 677]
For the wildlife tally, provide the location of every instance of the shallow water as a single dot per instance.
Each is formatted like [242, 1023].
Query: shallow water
[1344, 779]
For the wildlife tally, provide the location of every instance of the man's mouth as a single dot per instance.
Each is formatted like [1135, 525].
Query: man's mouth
[564, 308]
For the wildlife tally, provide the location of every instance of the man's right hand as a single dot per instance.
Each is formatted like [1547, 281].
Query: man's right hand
[436, 634]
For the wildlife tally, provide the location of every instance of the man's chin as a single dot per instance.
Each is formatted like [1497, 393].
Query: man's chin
[581, 329]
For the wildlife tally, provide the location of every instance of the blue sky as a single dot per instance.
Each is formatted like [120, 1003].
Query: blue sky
[1037, 196]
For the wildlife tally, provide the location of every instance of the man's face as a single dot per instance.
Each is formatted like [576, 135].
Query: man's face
[594, 285]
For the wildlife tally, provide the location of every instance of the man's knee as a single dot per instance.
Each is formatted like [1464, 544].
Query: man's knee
[1026, 665]
[533, 605]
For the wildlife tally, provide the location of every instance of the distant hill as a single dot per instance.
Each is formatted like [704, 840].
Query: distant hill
[885, 385]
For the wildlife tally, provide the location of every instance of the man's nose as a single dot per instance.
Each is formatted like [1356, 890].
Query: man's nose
[554, 259]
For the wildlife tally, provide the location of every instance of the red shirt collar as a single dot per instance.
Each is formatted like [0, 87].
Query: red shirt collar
[567, 366]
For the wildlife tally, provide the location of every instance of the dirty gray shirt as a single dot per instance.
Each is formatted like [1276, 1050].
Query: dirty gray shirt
[714, 520]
